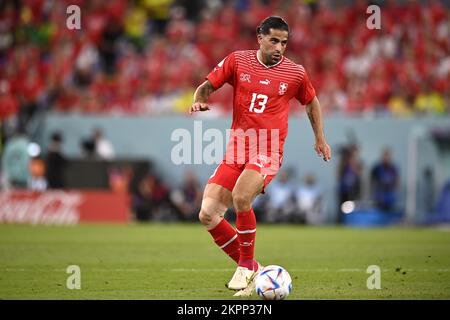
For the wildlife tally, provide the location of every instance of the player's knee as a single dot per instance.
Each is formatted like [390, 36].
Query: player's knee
[204, 217]
[211, 212]
[242, 202]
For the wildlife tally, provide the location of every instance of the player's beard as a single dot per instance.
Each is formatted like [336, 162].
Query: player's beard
[275, 58]
[269, 59]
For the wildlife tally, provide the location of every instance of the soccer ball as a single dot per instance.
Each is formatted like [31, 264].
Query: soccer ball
[273, 283]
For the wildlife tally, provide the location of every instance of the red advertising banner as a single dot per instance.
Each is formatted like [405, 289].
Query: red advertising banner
[63, 207]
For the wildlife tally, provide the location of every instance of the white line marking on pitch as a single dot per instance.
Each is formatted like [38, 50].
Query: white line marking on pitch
[64, 270]
[224, 270]
[315, 270]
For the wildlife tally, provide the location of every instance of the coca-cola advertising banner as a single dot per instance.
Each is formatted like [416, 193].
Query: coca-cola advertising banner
[63, 207]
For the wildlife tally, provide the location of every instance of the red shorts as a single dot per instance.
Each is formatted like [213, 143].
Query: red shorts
[226, 174]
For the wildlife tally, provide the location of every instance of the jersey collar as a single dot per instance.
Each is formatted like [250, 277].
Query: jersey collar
[268, 67]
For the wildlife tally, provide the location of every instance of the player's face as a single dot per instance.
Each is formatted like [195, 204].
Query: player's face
[273, 45]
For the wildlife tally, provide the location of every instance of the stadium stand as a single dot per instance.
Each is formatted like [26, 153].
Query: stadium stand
[147, 56]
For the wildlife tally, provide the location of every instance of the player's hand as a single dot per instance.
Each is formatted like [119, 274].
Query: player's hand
[198, 106]
[323, 150]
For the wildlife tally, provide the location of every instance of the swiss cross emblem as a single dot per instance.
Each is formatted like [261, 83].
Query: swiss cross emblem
[245, 77]
[283, 88]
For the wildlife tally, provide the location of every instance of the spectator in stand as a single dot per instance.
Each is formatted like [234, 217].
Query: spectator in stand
[135, 25]
[309, 201]
[188, 197]
[443, 205]
[151, 200]
[400, 104]
[9, 107]
[384, 182]
[88, 148]
[143, 204]
[8, 101]
[15, 161]
[159, 13]
[30, 91]
[108, 46]
[120, 178]
[103, 147]
[37, 182]
[280, 198]
[55, 162]
[430, 102]
[349, 177]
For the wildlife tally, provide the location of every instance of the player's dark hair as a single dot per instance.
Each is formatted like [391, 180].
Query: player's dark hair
[272, 22]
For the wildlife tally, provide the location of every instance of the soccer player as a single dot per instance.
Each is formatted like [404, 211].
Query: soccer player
[264, 81]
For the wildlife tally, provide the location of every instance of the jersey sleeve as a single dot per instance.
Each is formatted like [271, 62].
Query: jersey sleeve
[223, 72]
[306, 91]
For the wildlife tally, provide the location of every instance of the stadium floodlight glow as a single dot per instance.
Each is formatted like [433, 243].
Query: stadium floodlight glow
[34, 150]
[348, 207]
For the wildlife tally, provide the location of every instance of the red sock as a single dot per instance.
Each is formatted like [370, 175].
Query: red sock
[246, 228]
[225, 236]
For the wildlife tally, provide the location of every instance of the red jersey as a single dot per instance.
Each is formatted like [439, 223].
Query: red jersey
[262, 94]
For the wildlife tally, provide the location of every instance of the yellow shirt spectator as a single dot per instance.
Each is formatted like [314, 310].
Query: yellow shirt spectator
[135, 22]
[399, 107]
[159, 9]
[430, 102]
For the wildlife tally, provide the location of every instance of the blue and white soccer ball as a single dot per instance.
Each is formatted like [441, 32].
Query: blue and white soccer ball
[273, 283]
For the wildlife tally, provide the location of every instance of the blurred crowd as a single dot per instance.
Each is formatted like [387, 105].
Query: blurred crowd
[290, 199]
[147, 56]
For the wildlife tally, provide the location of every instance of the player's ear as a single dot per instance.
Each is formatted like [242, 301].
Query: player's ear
[259, 37]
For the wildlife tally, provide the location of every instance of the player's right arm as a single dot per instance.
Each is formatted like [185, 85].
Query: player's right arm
[201, 97]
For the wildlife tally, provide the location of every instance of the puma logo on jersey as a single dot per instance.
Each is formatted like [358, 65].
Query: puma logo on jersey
[266, 82]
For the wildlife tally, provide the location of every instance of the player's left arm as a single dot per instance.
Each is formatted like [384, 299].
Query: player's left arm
[314, 112]
[201, 97]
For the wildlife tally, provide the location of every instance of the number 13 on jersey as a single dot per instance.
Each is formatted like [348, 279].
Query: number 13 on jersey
[262, 100]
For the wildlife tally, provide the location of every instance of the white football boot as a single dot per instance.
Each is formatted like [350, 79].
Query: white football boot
[247, 292]
[241, 278]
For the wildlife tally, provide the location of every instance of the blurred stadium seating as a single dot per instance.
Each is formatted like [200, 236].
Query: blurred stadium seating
[147, 56]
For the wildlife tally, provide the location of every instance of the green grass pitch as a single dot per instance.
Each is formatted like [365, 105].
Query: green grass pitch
[180, 261]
